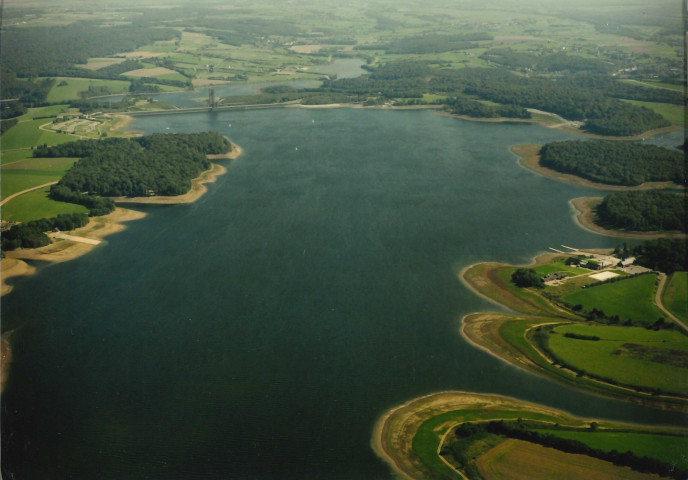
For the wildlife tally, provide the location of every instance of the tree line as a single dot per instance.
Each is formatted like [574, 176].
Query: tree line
[615, 163]
[666, 255]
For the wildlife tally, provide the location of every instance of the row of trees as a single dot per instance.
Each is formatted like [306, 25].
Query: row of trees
[642, 211]
[159, 164]
[470, 434]
[473, 108]
[32, 234]
[615, 163]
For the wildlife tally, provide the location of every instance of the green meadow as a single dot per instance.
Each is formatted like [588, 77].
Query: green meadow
[626, 355]
[675, 297]
[631, 298]
[36, 205]
[669, 449]
[32, 172]
[76, 86]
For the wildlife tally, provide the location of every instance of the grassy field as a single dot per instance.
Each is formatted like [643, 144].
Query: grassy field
[627, 355]
[674, 113]
[675, 297]
[665, 448]
[32, 172]
[520, 460]
[428, 436]
[35, 205]
[11, 156]
[75, 86]
[559, 265]
[631, 298]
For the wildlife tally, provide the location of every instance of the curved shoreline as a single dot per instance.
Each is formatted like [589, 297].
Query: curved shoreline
[393, 434]
[584, 215]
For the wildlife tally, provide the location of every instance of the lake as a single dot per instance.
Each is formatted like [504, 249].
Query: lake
[259, 332]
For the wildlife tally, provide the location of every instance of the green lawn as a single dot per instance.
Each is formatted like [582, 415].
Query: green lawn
[27, 134]
[675, 297]
[632, 298]
[10, 156]
[35, 205]
[665, 448]
[31, 173]
[76, 85]
[628, 355]
[560, 266]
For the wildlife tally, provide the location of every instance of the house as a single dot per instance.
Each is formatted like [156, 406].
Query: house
[554, 276]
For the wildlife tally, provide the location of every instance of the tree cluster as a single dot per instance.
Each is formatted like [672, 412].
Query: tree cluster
[642, 211]
[32, 234]
[666, 255]
[615, 163]
[159, 164]
[527, 277]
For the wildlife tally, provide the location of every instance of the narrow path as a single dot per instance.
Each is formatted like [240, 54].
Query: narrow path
[658, 301]
[26, 191]
[74, 238]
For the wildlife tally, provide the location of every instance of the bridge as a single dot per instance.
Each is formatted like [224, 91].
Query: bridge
[219, 108]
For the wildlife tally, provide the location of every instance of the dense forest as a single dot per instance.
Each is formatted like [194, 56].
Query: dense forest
[666, 255]
[159, 164]
[586, 98]
[615, 163]
[642, 211]
[32, 234]
[430, 43]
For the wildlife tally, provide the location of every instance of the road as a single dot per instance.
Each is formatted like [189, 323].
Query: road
[658, 301]
[26, 191]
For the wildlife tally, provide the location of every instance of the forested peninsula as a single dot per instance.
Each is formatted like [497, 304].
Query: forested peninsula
[615, 163]
[153, 165]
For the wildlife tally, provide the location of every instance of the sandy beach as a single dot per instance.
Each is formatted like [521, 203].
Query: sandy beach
[63, 250]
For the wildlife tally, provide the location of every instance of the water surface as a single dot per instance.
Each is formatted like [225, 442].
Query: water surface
[259, 332]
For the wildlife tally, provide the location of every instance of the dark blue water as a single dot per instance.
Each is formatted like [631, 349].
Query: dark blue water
[259, 332]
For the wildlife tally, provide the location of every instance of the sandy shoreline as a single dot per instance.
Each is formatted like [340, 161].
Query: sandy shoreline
[529, 158]
[198, 187]
[64, 250]
[393, 434]
[584, 214]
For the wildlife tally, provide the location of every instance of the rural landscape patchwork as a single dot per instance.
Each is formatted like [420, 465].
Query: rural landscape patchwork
[306, 239]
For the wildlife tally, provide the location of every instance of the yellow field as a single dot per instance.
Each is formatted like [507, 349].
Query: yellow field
[150, 72]
[519, 460]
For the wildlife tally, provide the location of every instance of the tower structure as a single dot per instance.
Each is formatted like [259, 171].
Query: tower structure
[212, 103]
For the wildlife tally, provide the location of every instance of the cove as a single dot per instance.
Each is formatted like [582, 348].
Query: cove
[259, 332]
